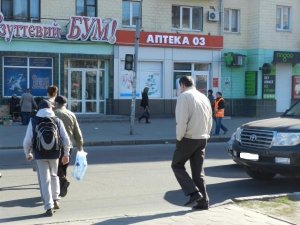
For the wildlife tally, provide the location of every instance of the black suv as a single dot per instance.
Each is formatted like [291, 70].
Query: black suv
[270, 146]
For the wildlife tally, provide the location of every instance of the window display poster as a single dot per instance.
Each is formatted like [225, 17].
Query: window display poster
[15, 81]
[296, 87]
[125, 84]
[40, 79]
[152, 80]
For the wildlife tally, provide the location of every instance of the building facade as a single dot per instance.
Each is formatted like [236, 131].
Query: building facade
[246, 49]
[265, 34]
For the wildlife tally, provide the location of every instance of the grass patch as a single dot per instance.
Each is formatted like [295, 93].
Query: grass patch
[281, 207]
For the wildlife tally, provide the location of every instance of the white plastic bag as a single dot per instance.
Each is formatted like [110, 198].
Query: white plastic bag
[80, 165]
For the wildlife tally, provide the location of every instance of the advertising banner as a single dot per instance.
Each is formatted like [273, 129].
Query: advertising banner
[15, 81]
[39, 81]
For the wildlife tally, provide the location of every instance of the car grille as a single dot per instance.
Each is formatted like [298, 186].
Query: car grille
[257, 138]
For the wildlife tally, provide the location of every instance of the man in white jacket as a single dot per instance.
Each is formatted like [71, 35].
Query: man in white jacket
[47, 164]
[193, 125]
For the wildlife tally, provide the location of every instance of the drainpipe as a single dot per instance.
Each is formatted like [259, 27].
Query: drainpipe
[221, 17]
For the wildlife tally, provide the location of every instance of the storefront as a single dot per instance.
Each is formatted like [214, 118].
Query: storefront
[163, 59]
[78, 61]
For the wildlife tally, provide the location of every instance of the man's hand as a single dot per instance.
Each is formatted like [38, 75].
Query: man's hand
[65, 160]
[29, 158]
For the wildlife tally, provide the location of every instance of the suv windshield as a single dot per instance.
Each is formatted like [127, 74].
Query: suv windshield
[294, 111]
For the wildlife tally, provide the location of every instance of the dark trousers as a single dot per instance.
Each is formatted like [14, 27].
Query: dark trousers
[62, 170]
[194, 151]
[146, 115]
[25, 116]
[219, 125]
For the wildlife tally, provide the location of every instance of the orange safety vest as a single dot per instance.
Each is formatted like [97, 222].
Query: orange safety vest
[218, 112]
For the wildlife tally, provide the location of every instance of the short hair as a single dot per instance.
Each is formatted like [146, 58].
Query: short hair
[219, 93]
[52, 91]
[186, 81]
[210, 91]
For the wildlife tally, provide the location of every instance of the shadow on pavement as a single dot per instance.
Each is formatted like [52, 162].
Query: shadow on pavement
[21, 218]
[25, 202]
[19, 187]
[137, 219]
[221, 192]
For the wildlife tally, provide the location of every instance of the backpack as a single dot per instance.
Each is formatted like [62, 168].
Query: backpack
[46, 138]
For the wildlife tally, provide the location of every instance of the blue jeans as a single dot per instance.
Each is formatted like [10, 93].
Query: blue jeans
[219, 125]
[25, 117]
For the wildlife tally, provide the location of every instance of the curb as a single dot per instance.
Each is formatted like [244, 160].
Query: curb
[133, 142]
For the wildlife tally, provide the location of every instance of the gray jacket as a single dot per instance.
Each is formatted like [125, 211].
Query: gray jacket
[26, 102]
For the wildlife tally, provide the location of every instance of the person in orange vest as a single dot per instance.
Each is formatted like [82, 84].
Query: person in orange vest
[219, 109]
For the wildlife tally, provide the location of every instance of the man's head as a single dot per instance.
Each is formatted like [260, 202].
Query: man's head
[52, 91]
[219, 94]
[185, 82]
[61, 100]
[210, 92]
[44, 104]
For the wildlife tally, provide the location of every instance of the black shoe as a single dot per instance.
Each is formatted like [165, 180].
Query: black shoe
[49, 212]
[201, 205]
[193, 198]
[64, 189]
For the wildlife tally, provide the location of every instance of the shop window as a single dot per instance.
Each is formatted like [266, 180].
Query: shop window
[283, 18]
[21, 10]
[86, 8]
[130, 12]
[182, 66]
[187, 18]
[20, 73]
[232, 20]
[84, 64]
[201, 67]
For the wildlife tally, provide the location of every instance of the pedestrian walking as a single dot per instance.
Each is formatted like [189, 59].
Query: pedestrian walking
[52, 92]
[45, 136]
[14, 107]
[193, 125]
[219, 111]
[145, 105]
[75, 135]
[27, 104]
[211, 98]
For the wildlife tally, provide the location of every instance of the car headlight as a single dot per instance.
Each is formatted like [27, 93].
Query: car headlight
[238, 133]
[286, 139]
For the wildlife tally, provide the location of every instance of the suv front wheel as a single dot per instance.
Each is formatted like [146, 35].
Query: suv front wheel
[259, 175]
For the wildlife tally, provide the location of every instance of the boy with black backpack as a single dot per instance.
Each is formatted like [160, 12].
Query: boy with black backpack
[44, 139]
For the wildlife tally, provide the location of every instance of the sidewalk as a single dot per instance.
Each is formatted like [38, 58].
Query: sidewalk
[117, 132]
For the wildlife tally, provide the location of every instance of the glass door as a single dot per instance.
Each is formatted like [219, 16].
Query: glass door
[90, 95]
[84, 88]
[201, 81]
[75, 90]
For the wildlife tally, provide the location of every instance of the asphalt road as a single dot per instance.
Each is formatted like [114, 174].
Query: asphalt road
[122, 181]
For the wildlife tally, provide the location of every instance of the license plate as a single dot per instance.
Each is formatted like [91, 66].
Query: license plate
[281, 160]
[249, 156]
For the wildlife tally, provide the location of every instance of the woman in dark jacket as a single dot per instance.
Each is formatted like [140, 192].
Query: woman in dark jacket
[14, 107]
[145, 105]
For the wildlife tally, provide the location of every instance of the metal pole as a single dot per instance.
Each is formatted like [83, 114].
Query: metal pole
[136, 52]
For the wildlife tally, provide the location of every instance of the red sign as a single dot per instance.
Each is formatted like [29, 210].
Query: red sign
[296, 87]
[155, 39]
[215, 82]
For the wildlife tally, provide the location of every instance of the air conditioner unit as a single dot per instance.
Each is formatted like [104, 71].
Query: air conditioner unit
[213, 16]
